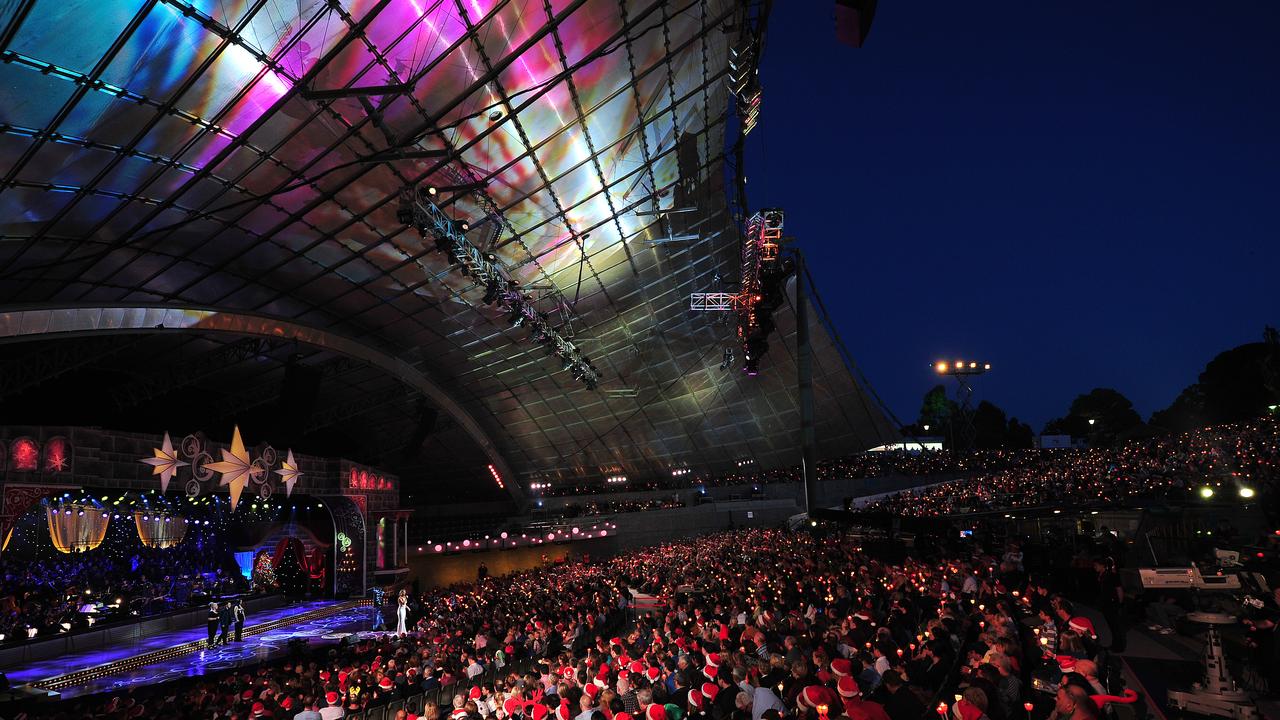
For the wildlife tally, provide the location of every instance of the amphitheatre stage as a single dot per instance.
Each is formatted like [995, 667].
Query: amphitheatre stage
[183, 653]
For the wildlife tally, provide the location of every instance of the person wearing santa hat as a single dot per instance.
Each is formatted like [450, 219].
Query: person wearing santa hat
[627, 694]
[855, 707]
[333, 707]
[696, 705]
[588, 702]
[814, 696]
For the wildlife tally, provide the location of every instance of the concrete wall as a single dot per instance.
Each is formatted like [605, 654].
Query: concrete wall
[431, 569]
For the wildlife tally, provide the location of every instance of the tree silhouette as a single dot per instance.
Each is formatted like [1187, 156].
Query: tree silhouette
[1111, 412]
[1238, 384]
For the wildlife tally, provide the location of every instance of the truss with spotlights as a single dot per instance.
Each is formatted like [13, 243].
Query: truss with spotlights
[419, 209]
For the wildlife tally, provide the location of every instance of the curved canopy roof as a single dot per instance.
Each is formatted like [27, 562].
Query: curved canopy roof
[248, 155]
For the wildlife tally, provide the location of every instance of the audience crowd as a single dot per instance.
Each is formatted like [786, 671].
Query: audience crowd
[861, 465]
[1240, 453]
[748, 625]
[63, 593]
[1237, 460]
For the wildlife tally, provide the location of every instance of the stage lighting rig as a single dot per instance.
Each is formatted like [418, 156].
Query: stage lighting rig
[744, 68]
[764, 279]
[418, 209]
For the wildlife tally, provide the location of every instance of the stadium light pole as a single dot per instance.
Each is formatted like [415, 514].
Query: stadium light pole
[962, 371]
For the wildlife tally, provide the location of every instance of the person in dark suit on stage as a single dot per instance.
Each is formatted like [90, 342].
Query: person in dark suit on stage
[224, 618]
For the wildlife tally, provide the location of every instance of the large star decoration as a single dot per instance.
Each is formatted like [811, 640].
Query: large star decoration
[165, 463]
[289, 473]
[235, 466]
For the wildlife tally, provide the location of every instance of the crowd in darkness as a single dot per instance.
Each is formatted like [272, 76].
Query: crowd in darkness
[861, 465]
[750, 625]
[69, 592]
[1228, 459]
[1226, 456]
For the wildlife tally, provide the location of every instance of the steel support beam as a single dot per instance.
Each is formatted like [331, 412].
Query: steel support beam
[33, 369]
[190, 370]
[336, 93]
[50, 322]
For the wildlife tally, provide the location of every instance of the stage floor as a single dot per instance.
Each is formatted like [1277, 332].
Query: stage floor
[256, 648]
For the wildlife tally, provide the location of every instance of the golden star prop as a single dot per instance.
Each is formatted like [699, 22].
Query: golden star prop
[235, 466]
[289, 473]
[165, 463]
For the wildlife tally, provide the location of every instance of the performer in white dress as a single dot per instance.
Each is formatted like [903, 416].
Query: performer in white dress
[402, 615]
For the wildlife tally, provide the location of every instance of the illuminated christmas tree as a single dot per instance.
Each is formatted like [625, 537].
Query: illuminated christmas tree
[346, 554]
[264, 573]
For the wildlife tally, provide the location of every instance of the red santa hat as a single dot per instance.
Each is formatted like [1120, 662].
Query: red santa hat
[636, 667]
[259, 709]
[539, 711]
[474, 694]
[710, 690]
[652, 673]
[695, 699]
[622, 716]
[655, 712]
[562, 712]
[713, 660]
[848, 687]
[1066, 663]
[1083, 625]
[512, 706]
[815, 695]
[593, 690]
[332, 698]
[841, 668]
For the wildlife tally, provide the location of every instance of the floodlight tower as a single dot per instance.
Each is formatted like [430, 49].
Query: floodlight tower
[962, 435]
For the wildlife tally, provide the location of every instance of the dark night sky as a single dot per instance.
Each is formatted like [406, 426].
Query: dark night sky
[1084, 195]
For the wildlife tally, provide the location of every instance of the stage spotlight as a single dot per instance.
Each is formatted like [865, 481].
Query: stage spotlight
[432, 190]
[1206, 492]
[464, 226]
[1246, 492]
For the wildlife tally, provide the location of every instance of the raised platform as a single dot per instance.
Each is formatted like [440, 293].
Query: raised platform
[19, 654]
[170, 655]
